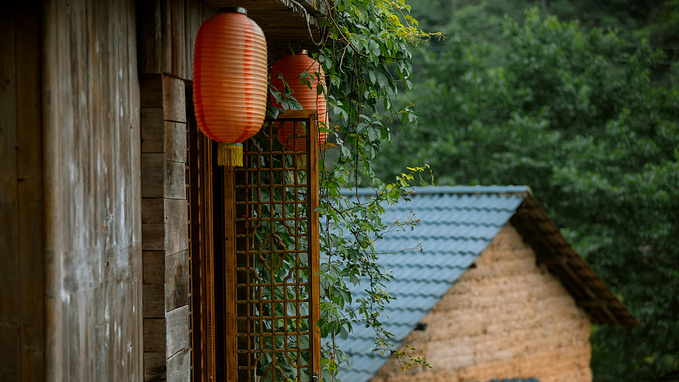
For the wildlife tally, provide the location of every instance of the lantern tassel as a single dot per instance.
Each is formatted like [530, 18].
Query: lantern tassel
[230, 154]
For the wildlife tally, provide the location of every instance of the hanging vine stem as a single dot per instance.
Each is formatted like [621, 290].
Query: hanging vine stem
[368, 40]
[366, 43]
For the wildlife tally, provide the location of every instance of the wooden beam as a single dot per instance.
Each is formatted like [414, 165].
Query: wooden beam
[594, 303]
[10, 280]
[22, 260]
[314, 245]
[230, 274]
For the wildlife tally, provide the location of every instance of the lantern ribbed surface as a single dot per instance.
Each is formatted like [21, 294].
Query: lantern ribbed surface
[230, 81]
[291, 67]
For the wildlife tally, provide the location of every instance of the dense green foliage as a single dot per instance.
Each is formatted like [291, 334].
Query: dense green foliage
[579, 116]
[365, 52]
[367, 60]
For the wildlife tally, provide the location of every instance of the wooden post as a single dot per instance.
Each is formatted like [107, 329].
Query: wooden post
[314, 245]
[230, 273]
[22, 261]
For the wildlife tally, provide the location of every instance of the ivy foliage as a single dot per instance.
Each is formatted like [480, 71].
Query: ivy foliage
[366, 56]
[591, 125]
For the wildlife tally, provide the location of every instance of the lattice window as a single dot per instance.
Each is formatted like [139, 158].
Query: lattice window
[271, 259]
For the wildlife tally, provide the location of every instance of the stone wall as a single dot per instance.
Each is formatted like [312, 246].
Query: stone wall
[505, 318]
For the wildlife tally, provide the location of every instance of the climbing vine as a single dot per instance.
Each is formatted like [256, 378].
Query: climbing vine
[365, 54]
[366, 58]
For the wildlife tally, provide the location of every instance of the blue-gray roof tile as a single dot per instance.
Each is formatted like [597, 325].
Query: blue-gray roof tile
[456, 225]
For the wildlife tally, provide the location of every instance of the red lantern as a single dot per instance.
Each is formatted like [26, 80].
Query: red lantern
[230, 81]
[290, 67]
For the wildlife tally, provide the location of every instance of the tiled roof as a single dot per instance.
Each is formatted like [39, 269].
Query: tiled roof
[456, 225]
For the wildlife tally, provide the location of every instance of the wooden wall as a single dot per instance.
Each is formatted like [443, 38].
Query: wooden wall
[165, 38]
[165, 229]
[92, 191]
[21, 195]
[167, 30]
[71, 184]
[506, 318]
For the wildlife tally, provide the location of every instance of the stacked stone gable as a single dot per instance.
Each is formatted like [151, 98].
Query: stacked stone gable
[506, 317]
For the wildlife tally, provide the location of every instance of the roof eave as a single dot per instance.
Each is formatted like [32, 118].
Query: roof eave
[289, 25]
[552, 249]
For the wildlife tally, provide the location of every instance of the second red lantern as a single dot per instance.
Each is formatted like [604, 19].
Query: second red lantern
[291, 67]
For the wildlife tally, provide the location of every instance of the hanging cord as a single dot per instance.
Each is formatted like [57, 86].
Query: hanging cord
[299, 7]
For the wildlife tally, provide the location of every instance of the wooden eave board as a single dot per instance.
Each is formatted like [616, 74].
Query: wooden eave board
[287, 25]
[589, 291]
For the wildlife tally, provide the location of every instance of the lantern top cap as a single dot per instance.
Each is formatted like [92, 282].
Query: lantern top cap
[304, 52]
[233, 10]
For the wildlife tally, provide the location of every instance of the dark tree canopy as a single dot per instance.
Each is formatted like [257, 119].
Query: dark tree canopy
[583, 119]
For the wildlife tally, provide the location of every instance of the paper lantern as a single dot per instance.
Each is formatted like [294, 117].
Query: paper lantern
[230, 81]
[290, 67]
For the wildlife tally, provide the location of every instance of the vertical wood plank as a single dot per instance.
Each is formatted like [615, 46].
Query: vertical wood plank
[179, 366]
[154, 301]
[10, 299]
[176, 225]
[177, 330]
[166, 36]
[154, 267]
[152, 175]
[54, 328]
[152, 122]
[92, 203]
[202, 251]
[178, 39]
[155, 366]
[149, 36]
[174, 99]
[314, 244]
[155, 335]
[30, 192]
[175, 180]
[165, 219]
[175, 141]
[194, 19]
[230, 274]
[151, 95]
[209, 238]
[176, 279]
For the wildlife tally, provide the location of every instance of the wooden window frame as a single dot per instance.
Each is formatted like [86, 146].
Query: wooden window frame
[217, 227]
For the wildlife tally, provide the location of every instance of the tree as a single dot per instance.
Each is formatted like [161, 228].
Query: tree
[575, 114]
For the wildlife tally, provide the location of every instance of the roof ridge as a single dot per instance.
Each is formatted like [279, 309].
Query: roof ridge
[464, 208]
[459, 223]
[440, 237]
[433, 190]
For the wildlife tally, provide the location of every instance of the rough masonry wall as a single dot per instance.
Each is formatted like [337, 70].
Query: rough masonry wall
[92, 191]
[506, 318]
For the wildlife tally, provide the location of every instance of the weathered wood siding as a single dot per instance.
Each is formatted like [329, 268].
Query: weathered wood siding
[92, 191]
[166, 36]
[506, 318]
[21, 195]
[165, 229]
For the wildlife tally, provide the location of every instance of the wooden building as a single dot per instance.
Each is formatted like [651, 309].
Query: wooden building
[486, 289]
[104, 197]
